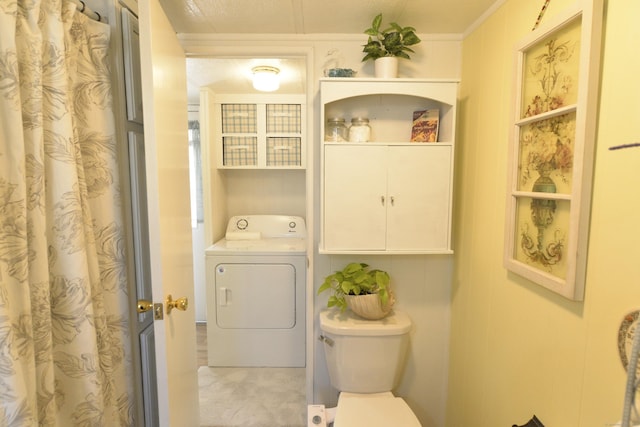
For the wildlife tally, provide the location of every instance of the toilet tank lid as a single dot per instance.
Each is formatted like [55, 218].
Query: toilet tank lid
[348, 323]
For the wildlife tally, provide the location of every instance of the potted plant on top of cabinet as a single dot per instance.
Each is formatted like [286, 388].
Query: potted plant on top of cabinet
[366, 292]
[385, 46]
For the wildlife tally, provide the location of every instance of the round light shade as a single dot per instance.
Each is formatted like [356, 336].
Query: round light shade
[265, 78]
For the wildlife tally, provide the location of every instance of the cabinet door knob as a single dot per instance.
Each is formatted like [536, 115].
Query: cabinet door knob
[393, 201]
[382, 200]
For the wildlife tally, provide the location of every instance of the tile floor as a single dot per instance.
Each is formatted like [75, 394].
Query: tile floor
[249, 397]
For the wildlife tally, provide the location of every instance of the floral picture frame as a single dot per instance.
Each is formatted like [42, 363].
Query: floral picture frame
[551, 150]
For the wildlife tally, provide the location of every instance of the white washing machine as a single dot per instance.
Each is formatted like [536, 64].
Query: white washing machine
[256, 293]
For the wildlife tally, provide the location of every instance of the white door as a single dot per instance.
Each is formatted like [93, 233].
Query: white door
[355, 182]
[419, 191]
[169, 219]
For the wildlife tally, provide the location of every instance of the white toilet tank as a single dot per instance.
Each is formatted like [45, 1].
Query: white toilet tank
[364, 356]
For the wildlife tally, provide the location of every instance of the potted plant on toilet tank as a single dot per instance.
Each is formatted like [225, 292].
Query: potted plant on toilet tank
[365, 291]
[385, 46]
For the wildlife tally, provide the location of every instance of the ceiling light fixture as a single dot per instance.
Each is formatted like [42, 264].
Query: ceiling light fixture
[265, 78]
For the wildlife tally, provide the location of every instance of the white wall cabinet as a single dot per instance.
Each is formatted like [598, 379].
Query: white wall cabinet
[388, 195]
[260, 131]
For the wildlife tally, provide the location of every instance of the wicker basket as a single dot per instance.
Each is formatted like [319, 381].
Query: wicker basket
[369, 306]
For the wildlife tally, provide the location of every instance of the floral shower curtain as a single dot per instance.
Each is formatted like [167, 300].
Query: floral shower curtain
[65, 357]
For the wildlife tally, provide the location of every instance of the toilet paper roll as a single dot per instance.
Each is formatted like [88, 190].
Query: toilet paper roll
[243, 235]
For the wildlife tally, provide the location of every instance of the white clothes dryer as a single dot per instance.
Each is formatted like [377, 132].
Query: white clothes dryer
[256, 293]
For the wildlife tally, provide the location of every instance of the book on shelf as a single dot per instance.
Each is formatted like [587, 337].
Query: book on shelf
[425, 125]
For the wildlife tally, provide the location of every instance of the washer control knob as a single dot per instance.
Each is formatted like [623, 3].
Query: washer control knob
[242, 224]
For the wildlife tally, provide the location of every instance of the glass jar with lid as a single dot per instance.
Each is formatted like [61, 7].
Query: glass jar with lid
[359, 130]
[336, 130]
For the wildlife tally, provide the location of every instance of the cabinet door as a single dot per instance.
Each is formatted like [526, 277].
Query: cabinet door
[239, 134]
[259, 131]
[419, 181]
[355, 179]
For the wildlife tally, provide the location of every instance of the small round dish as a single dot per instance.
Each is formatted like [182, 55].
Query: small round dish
[339, 72]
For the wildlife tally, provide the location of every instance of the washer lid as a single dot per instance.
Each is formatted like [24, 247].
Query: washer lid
[275, 246]
[348, 323]
[374, 412]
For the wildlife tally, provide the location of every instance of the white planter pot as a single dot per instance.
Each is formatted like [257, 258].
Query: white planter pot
[369, 306]
[386, 67]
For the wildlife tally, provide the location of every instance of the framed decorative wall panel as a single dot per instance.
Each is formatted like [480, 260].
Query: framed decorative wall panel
[551, 150]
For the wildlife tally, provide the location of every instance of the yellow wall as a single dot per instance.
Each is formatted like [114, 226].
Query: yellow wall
[518, 349]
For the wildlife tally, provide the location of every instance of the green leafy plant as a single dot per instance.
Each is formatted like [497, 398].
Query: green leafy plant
[392, 41]
[355, 279]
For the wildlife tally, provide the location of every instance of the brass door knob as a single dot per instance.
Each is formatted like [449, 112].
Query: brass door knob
[181, 304]
[144, 305]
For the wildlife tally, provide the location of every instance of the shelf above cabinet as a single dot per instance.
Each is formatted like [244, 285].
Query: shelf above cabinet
[412, 144]
[390, 104]
[260, 131]
[441, 90]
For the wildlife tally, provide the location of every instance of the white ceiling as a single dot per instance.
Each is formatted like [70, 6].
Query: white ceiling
[320, 16]
[302, 17]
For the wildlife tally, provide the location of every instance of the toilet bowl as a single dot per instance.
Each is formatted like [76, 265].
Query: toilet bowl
[365, 360]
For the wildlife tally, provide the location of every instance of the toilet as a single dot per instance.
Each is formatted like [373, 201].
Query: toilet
[365, 360]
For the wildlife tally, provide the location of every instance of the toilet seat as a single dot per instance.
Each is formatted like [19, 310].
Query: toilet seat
[373, 410]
